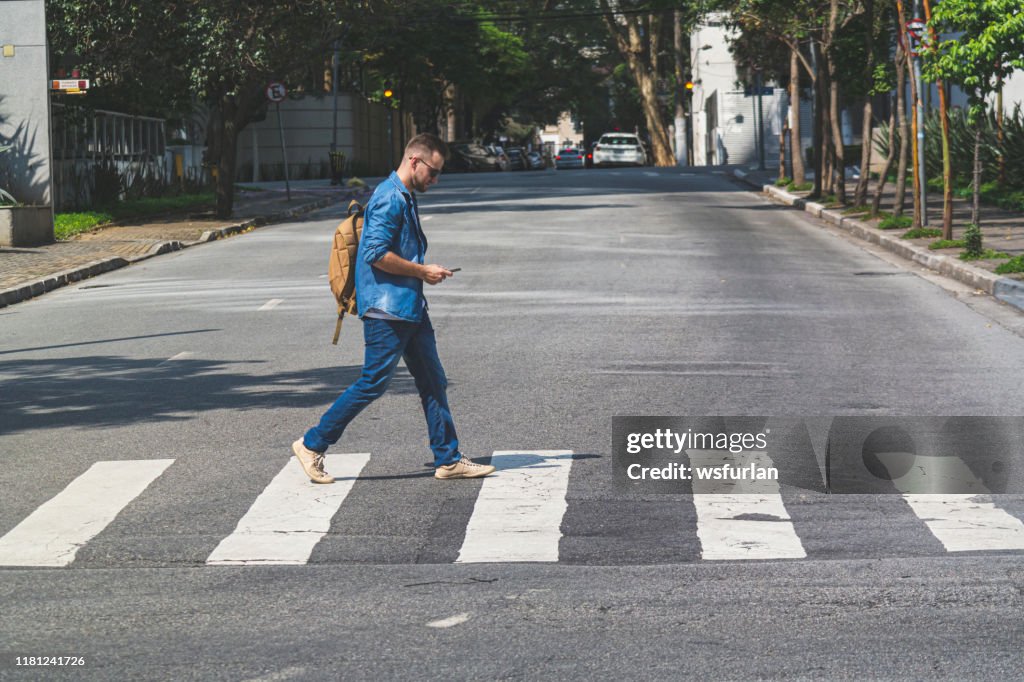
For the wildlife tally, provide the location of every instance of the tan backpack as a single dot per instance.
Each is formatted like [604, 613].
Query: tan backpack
[341, 269]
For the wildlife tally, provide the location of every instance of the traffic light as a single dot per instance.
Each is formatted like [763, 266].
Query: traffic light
[688, 85]
[388, 90]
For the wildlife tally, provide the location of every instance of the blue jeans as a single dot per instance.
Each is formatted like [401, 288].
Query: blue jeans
[387, 342]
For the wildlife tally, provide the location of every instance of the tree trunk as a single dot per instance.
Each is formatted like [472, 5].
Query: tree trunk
[796, 147]
[783, 134]
[228, 138]
[901, 112]
[890, 158]
[947, 179]
[661, 146]
[638, 42]
[999, 132]
[976, 203]
[236, 112]
[860, 194]
[819, 136]
[835, 114]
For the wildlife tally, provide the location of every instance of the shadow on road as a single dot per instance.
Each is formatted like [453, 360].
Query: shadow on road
[104, 391]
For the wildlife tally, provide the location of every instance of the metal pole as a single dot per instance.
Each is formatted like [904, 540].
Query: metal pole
[284, 153]
[919, 84]
[816, 121]
[334, 92]
[760, 122]
[255, 156]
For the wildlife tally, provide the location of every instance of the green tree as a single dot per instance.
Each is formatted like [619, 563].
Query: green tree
[988, 45]
[161, 56]
[641, 38]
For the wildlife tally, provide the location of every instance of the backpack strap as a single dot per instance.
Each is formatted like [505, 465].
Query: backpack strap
[337, 327]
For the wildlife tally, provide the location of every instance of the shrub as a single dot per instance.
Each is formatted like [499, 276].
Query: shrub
[972, 241]
[946, 244]
[922, 232]
[895, 222]
[1015, 264]
[987, 254]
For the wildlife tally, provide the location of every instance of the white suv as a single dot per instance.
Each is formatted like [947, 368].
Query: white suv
[615, 148]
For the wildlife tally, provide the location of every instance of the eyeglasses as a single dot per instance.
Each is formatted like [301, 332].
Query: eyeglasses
[434, 172]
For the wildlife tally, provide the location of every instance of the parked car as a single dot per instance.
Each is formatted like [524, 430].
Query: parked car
[589, 160]
[470, 157]
[517, 159]
[569, 157]
[619, 148]
[499, 154]
[536, 161]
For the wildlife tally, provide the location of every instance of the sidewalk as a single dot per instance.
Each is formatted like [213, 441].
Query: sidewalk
[29, 272]
[1001, 231]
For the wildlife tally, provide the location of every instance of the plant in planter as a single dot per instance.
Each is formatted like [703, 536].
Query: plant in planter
[5, 197]
[22, 225]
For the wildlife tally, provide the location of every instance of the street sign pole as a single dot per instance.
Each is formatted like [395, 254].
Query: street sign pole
[284, 154]
[276, 93]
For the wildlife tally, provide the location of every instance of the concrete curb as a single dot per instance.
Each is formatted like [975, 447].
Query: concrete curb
[33, 288]
[1008, 290]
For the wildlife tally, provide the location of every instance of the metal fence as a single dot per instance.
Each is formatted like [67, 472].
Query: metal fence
[87, 143]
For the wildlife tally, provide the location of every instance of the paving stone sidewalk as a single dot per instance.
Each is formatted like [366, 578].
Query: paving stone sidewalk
[28, 272]
[1002, 230]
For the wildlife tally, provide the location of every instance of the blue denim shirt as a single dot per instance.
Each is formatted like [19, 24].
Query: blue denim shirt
[390, 223]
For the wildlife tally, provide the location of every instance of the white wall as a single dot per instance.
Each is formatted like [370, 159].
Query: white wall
[25, 102]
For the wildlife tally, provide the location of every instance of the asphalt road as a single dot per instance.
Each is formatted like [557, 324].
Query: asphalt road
[583, 295]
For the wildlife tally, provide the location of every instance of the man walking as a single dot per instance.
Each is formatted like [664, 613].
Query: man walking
[390, 272]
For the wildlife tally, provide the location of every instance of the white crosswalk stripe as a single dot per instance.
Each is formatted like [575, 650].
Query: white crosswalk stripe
[53, 533]
[743, 519]
[966, 523]
[290, 516]
[518, 513]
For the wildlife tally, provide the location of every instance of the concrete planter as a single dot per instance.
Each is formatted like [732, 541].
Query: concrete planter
[26, 225]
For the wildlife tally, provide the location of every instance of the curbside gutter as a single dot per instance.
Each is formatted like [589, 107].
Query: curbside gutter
[1005, 289]
[31, 289]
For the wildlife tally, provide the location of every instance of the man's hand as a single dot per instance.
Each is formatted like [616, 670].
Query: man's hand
[434, 274]
[394, 264]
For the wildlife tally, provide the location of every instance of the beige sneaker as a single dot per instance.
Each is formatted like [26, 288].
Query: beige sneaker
[312, 463]
[464, 468]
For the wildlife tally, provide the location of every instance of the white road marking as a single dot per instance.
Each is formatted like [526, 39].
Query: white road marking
[53, 533]
[518, 513]
[426, 217]
[651, 174]
[741, 519]
[965, 523]
[271, 304]
[962, 522]
[449, 622]
[184, 355]
[290, 516]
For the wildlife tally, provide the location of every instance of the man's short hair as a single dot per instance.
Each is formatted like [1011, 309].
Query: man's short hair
[426, 142]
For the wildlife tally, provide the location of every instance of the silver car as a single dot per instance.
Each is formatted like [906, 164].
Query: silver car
[569, 158]
[619, 148]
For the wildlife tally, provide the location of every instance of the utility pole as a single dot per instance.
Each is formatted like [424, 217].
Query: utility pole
[760, 121]
[681, 91]
[819, 157]
[335, 58]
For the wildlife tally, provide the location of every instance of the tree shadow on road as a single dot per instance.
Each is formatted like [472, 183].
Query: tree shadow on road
[105, 391]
